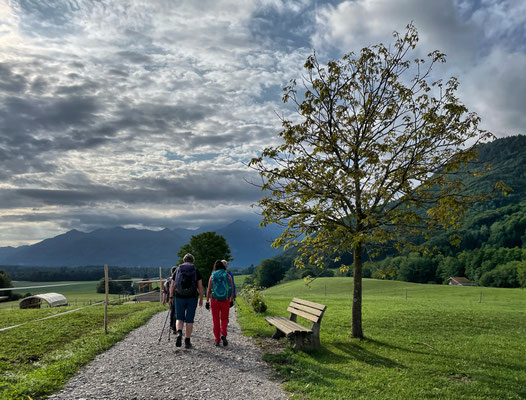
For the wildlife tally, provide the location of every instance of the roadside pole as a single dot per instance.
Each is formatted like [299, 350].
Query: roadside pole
[106, 285]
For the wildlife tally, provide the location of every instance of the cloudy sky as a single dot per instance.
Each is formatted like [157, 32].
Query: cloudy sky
[143, 113]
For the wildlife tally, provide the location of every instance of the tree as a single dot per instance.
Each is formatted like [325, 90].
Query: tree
[521, 274]
[126, 284]
[206, 247]
[5, 282]
[375, 154]
[269, 272]
[113, 287]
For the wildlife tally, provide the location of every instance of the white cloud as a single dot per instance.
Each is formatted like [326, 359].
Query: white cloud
[484, 43]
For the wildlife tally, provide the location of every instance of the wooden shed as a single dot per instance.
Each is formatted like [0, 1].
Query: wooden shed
[52, 299]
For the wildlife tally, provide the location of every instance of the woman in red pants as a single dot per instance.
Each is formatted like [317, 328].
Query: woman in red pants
[221, 289]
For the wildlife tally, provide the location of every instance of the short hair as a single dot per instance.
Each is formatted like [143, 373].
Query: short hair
[225, 263]
[219, 265]
[188, 258]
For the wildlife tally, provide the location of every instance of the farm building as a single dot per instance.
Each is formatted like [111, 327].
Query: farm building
[53, 300]
[460, 281]
[146, 292]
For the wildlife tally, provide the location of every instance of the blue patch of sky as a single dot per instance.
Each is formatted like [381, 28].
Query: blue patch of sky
[287, 30]
[271, 93]
[48, 19]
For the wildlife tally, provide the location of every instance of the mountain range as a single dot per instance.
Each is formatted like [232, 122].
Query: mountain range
[249, 244]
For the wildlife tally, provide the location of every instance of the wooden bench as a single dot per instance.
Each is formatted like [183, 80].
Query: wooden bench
[301, 337]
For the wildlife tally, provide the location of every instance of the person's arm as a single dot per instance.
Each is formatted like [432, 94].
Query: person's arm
[172, 291]
[232, 286]
[165, 294]
[200, 288]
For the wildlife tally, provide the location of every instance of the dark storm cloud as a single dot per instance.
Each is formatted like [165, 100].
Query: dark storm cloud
[11, 81]
[158, 118]
[135, 57]
[213, 185]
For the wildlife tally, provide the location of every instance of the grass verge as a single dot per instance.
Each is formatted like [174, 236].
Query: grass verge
[438, 343]
[38, 358]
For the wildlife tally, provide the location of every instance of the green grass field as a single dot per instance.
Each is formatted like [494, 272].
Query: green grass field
[440, 342]
[36, 359]
[239, 279]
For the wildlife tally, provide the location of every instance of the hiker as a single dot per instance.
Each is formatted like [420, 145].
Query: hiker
[221, 288]
[166, 297]
[187, 286]
[225, 263]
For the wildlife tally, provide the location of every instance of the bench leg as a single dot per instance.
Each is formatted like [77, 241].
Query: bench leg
[278, 334]
[303, 341]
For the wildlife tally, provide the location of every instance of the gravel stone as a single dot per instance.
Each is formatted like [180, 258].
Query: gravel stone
[139, 367]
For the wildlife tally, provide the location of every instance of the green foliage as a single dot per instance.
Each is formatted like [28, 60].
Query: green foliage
[375, 158]
[5, 282]
[116, 287]
[38, 365]
[415, 348]
[502, 276]
[416, 268]
[258, 304]
[126, 284]
[521, 274]
[252, 296]
[206, 247]
[268, 273]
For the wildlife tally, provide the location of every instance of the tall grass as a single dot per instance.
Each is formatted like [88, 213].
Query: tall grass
[440, 342]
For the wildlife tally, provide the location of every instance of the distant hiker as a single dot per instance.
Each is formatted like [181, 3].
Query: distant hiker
[225, 263]
[166, 297]
[221, 288]
[187, 286]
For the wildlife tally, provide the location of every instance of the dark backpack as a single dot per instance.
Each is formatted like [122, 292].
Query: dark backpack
[221, 288]
[186, 280]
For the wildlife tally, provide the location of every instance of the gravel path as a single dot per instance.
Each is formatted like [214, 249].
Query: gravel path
[139, 367]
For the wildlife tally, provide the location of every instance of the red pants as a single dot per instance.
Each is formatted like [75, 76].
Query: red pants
[220, 310]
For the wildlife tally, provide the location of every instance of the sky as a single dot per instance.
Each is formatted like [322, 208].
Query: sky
[144, 113]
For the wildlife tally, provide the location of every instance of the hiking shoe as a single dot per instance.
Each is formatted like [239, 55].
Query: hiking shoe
[187, 344]
[179, 339]
[225, 342]
[217, 344]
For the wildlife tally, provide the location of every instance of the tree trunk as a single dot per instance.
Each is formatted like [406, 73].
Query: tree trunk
[356, 323]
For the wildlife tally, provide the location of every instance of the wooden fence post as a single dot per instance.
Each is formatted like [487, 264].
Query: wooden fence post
[106, 285]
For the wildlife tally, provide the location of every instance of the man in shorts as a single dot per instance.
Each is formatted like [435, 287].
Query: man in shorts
[187, 287]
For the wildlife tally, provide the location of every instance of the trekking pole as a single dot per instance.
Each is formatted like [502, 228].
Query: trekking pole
[167, 315]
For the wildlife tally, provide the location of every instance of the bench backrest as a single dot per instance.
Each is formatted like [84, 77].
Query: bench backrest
[306, 309]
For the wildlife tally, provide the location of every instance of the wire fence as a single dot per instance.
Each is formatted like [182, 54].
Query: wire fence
[122, 298]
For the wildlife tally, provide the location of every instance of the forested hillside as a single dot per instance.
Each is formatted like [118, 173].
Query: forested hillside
[489, 249]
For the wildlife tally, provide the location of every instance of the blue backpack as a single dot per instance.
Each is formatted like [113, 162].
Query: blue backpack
[221, 288]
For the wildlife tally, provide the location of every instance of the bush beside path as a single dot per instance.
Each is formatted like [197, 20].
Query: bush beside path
[139, 367]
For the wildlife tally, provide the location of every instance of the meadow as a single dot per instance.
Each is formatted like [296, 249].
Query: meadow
[38, 357]
[422, 341]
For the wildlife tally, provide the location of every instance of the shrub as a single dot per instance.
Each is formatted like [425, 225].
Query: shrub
[253, 297]
[257, 303]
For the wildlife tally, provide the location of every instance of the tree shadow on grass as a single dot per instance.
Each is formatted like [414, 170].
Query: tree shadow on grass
[354, 351]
